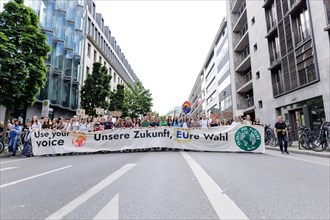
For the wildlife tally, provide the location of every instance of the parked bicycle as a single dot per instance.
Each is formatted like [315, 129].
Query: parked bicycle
[270, 138]
[306, 136]
[2, 144]
[320, 140]
[290, 138]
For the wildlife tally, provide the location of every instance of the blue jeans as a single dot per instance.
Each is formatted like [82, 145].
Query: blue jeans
[25, 148]
[282, 139]
[12, 146]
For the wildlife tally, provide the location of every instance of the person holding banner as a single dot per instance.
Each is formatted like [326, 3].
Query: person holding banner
[108, 124]
[247, 120]
[213, 122]
[128, 123]
[204, 122]
[35, 123]
[90, 124]
[169, 121]
[195, 123]
[60, 124]
[185, 123]
[46, 124]
[145, 122]
[153, 122]
[176, 122]
[54, 124]
[83, 125]
[120, 123]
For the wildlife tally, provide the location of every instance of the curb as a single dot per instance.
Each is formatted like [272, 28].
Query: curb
[326, 155]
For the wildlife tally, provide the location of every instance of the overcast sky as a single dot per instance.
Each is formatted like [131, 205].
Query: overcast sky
[165, 42]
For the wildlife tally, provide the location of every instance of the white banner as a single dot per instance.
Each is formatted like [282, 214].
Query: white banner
[239, 138]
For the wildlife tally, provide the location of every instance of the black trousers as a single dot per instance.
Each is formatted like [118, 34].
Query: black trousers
[282, 139]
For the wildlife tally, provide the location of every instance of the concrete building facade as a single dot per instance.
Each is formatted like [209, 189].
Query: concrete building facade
[213, 83]
[289, 63]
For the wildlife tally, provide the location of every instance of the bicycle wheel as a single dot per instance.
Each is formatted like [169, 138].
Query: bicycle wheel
[305, 142]
[2, 146]
[290, 139]
[319, 145]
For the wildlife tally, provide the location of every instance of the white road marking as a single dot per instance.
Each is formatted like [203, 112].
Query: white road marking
[32, 177]
[294, 158]
[222, 204]
[110, 210]
[7, 168]
[10, 161]
[59, 214]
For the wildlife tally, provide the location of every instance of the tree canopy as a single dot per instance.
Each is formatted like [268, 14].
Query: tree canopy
[96, 90]
[23, 49]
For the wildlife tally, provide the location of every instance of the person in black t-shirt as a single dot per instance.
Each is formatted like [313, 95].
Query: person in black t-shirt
[108, 124]
[281, 133]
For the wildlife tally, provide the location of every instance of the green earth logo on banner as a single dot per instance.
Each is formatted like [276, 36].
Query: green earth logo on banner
[45, 103]
[248, 138]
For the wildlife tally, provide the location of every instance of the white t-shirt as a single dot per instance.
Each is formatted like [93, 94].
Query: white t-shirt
[184, 125]
[83, 128]
[204, 123]
[75, 126]
[36, 126]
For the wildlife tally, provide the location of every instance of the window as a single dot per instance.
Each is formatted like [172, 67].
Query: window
[211, 97]
[327, 10]
[105, 64]
[210, 84]
[87, 70]
[274, 46]
[89, 26]
[100, 59]
[301, 26]
[95, 55]
[260, 103]
[88, 50]
[208, 74]
[271, 17]
[110, 70]
[253, 21]
[114, 77]
[258, 75]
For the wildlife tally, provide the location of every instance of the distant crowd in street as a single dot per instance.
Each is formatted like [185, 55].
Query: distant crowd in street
[16, 131]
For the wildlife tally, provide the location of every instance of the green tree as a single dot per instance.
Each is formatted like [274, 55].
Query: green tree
[23, 49]
[138, 100]
[117, 99]
[143, 99]
[96, 90]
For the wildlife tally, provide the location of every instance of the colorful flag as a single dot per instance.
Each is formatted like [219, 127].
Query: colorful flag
[186, 107]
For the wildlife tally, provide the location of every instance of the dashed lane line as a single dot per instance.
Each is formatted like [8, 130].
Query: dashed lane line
[59, 214]
[32, 177]
[222, 204]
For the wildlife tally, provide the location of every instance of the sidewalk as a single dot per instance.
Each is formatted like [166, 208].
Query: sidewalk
[295, 149]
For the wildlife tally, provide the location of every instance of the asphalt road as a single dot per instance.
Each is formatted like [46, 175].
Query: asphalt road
[166, 185]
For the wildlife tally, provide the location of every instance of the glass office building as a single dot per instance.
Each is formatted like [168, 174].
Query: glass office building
[62, 22]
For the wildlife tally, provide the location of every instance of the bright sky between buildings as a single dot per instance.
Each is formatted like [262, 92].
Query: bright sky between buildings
[166, 42]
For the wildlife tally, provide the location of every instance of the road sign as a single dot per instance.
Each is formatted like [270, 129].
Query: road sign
[45, 108]
[81, 112]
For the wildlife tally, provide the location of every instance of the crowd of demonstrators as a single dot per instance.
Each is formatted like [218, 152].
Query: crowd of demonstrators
[16, 131]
